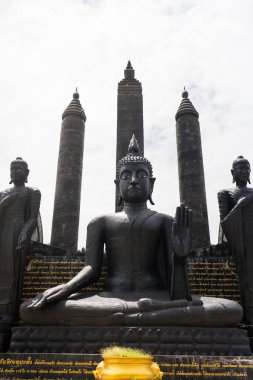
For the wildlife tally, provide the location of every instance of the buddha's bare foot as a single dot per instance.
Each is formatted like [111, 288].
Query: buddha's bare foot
[196, 302]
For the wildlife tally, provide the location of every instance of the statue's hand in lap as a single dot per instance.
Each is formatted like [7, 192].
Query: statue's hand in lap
[181, 231]
[22, 239]
[56, 293]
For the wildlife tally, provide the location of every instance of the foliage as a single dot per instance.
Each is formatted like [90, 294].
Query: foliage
[123, 352]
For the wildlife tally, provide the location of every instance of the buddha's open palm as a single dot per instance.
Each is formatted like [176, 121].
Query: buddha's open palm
[181, 231]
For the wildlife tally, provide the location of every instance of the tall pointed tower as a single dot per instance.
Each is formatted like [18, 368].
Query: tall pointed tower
[69, 177]
[191, 171]
[129, 116]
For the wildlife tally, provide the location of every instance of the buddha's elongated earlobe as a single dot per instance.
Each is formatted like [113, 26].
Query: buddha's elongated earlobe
[152, 181]
[232, 172]
[150, 199]
[116, 181]
[28, 171]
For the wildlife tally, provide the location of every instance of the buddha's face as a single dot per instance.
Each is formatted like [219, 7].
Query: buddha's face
[241, 172]
[18, 173]
[134, 183]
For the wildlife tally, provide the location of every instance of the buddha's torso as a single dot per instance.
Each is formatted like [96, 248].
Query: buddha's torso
[17, 209]
[132, 244]
[229, 198]
[237, 193]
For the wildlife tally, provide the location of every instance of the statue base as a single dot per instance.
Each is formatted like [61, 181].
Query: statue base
[5, 335]
[249, 329]
[174, 340]
[81, 366]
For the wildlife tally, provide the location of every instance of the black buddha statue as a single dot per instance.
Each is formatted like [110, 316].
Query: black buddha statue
[236, 215]
[19, 209]
[229, 198]
[146, 267]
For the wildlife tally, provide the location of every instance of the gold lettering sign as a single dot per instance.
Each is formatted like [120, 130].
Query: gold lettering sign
[67, 366]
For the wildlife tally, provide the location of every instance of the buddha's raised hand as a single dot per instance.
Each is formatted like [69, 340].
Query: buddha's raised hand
[182, 231]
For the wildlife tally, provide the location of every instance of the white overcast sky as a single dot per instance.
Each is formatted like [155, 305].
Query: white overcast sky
[49, 47]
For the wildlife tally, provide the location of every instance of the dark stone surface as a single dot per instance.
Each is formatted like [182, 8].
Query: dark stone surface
[5, 341]
[129, 117]
[144, 273]
[80, 367]
[48, 366]
[19, 210]
[249, 329]
[236, 214]
[43, 272]
[5, 335]
[69, 178]
[38, 249]
[191, 171]
[212, 273]
[229, 198]
[147, 281]
[175, 340]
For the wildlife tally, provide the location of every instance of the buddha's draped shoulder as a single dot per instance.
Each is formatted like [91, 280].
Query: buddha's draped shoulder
[34, 201]
[228, 199]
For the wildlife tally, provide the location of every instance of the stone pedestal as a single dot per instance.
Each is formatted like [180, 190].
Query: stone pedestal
[157, 340]
[249, 329]
[5, 335]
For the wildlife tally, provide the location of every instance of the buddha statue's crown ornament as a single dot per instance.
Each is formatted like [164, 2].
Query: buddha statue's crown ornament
[19, 160]
[240, 159]
[134, 157]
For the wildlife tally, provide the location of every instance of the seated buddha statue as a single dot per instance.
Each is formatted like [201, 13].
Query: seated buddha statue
[236, 215]
[147, 280]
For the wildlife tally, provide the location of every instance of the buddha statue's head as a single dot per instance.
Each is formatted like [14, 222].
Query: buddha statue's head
[134, 176]
[19, 171]
[241, 171]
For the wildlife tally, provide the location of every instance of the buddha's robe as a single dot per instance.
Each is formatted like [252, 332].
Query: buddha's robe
[238, 229]
[18, 213]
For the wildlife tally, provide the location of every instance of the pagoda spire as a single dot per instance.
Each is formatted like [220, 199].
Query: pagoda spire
[129, 71]
[129, 116]
[186, 107]
[74, 107]
[69, 177]
[191, 171]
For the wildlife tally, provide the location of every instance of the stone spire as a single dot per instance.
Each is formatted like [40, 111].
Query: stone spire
[186, 107]
[74, 107]
[191, 170]
[129, 71]
[129, 116]
[69, 177]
